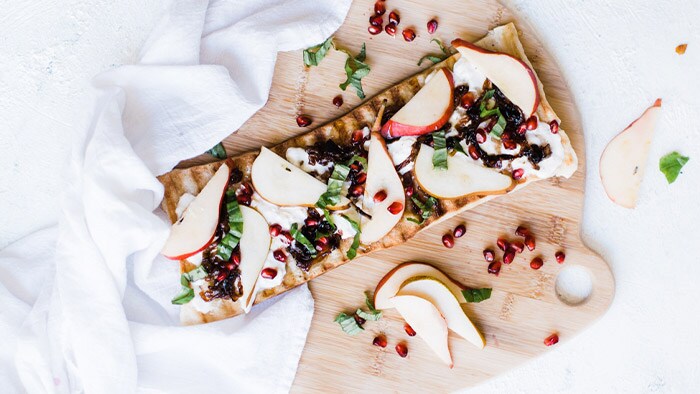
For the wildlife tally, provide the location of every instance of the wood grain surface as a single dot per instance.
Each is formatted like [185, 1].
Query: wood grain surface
[524, 308]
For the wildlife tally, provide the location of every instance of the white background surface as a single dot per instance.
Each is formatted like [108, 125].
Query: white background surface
[617, 57]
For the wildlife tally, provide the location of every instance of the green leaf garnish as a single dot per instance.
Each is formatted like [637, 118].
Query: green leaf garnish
[301, 238]
[433, 57]
[440, 152]
[476, 295]
[218, 151]
[671, 165]
[373, 316]
[425, 209]
[186, 294]
[348, 324]
[235, 223]
[335, 184]
[314, 55]
[499, 127]
[352, 252]
[370, 303]
[356, 69]
[359, 159]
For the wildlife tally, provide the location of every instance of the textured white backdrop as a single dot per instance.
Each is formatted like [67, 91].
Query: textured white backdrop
[617, 56]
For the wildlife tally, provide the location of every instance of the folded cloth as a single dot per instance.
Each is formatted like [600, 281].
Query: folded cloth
[93, 313]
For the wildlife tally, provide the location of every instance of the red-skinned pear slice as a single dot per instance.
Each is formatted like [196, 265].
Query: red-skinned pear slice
[381, 176]
[440, 295]
[427, 322]
[623, 161]
[195, 229]
[254, 245]
[461, 178]
[427, 111]
[513, 77]
[390, 284]
[282, 183]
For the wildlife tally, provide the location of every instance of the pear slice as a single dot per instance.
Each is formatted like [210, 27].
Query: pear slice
[439, 294]
[255, 245]
[461, 178]
[428, 323]
[390, 284]
[284, 184]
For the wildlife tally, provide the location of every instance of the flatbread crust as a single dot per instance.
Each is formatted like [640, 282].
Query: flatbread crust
[192, 180]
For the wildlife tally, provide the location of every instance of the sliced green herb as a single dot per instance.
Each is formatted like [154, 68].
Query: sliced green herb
[356, 69]
[425, 209]
[314, 55]
[436, 58]
[348, 324]
[370, 303]
[433, 58]
[440, 152]
[328, 216]
[360, 160]
[235, 223]
[335, 184]
[186, 294]
[218, 151]
[476, 295]
[499, 127]
[352, 252]
[373, 316]
[301, 238]
[671, 164]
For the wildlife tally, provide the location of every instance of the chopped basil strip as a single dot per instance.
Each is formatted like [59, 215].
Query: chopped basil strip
[370, 303]
[487, 96]
[671, 164]
[335, 184]
[186, 294]
[348, 324]
[352, 252]
[218, 151]
[476, 295]
[434, 57]
[442, 47]
[329, 218]
[235, 223]
[373, 316]
[356, 69]
[360, 160]
[301, 238]
[499, 127]
[314, 55]
[440, 152]
[425, 209]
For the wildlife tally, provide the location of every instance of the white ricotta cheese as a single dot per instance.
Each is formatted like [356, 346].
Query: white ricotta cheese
[399, 151]
[300, 158]
[273, 214]
[542, 136]
[465, 73]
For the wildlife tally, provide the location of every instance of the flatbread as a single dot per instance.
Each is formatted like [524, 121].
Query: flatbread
[192, 180]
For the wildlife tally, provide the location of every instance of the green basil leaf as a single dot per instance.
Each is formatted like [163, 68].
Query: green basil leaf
[440, 150]
[356, 69]
[301, 238]
[436, 58]
[359, 159]
[235, 221]
[671, 164]
[314, 55]
[348, 324]
[414, 220]
[335, 184]
[476, 295]
[185, 295]
[433, 58]
[218, 151]
[370, 303]
[352, 252]
[372, 315]
[194, 275]
[425, 209]
[442, 47]
[499, 127]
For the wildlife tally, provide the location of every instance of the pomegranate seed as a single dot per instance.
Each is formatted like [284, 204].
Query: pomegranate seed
[518, 173]
[532, 122]
[522, 128]
[379, 8]
[394, 17]
[408, 35]
[268, 273]
[321, 243]
[230, 265]
[560, 256]
[409, 191]
[409, 330]
[222, 275]
[517, 246]
[530, 242]
[358, 136]
[459, 231]
[432, 26]
[355, 167]
[554, 126]
[236, 258]
[303, 120]
[361, 178]
[360, 321]
[509, 144]
[467, 100]
[243, 199]
[357, 190]
[536, 263]
[506, 137]
[390, 28]
[338, 101]
[495, 268]
[311, 222]
[275, 230]
[287, 237]
[380, 196]
[502, 244]
[402, 349]
[508, 256]
[522, 231]
[279, 255]
[489, 256]
[551, 340]
[473, 152]
[448, 241]
[480, 136]
[380, 341]
[374, 30]
[376, 20]
[395, 208]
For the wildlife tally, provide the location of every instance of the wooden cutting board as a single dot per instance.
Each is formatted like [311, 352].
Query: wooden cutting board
[524, 307]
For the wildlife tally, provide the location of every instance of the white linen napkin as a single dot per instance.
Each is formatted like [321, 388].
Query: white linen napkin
[93, 314]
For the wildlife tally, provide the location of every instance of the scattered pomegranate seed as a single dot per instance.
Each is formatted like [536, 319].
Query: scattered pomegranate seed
[230, 265]
[236, 258]
[495, 268]
[374, 30]
[357, 190]
[522, 231]
[532, 122]
[402, 349]
[480, 136]
[448, 241]
[409, 191]
[358, 136]
[467, 100]
[509, 144]
[321, 244]
[680, 49]
[379, 340]
[522, 128]
[394, 17]
[554, 126]
[518, 173]
[459, 231]
[379, 196]
[408, 35]
[536, 263]
[395, 208]
[409, 330]
[473, 152]
[311, 222]
[517, 246]
[376, 20]
[268, 273]
[390, 28]
[222, 275]
[432, 26]
[338, 101]
[530, 242]
[560, 256]
[508, 256]
[275, 230]
[244, 199]
[551, 340]
[303, 120]
[502, 244]
[361, 178]
[287, 237]
[279, 255]
[379, 8]
[489, 256]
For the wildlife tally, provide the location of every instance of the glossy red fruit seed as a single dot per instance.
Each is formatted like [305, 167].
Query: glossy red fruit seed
[531, 123]
[338, 101]
[448, 241]
[518, 173]
[379, 340]
[508, 256]
[467, 100]
[358, 136]
[409, 330]
[379, 8]
[509, 144]
[554, 126]
[309, 222]
[230, 265]
[459, 231]
[287, 237]
[222, 275]
[376, 20]
[236, 258]
[409, 191]
[432, 26]
[275, 230]
[379, 196]
[473, 152]
[536, 263]
[268, 273]
[551, 340]
[480, 136]
[390, 28]
[279, 255]
[522, 129]
[303, 120]
[517, 246]
[530, 242]
[394, 17]
[495, 268]
[357, 190]
[374, 30]
[402, 349]
[489, 256]
[243, 199]
[395, 208]
[522, 231]
[361, 178]
[408, 35]
[502, 244]
[560, 256]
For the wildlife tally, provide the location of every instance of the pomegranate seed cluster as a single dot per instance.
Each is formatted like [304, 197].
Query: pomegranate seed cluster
[376, 23]
[514, 247]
